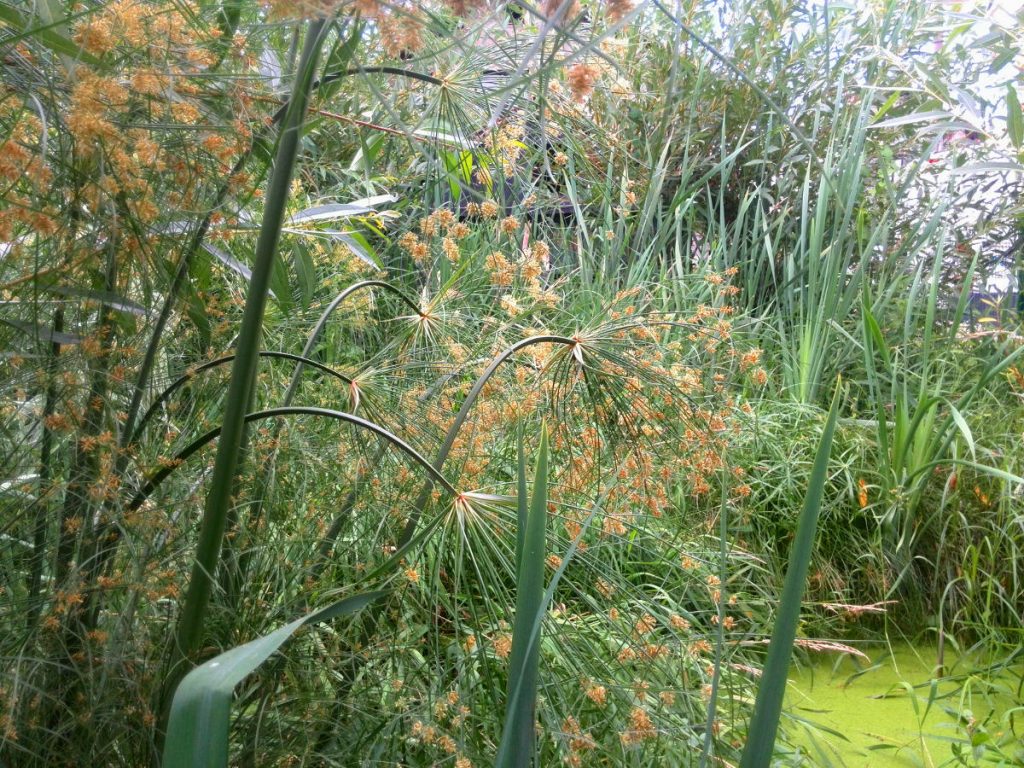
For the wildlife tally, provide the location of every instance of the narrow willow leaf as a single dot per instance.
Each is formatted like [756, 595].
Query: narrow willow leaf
[338, 59]
[444, 138]
[984, 469]
[517, 738]
[965, 430]
[995, 166]
[108, 298]
[358, 245]
[231, 263]
[1014, 120]
[914, 117]
[334, 211]
[42, 332]
[198, 729]
[768, 706]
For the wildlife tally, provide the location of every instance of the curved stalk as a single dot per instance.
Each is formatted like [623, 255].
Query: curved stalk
[112, 535]
[182, 380]
[463, 414]
[236, 567]
[294, 410]
[314, 335]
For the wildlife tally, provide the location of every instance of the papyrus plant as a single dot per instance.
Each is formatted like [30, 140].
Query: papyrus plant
[637, 398]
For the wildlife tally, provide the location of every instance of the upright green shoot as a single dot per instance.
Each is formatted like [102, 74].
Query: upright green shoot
[768, 706]
[243, 372]
[517, 739]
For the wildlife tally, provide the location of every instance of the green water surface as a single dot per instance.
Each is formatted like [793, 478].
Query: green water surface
[882, 708]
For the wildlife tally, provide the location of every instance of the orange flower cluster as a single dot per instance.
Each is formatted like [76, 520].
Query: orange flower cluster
[581, 79]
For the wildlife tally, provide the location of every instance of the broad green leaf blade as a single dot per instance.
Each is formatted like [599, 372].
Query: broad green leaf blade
[452, 166]
[877, 338]
[197, 732]
[518, 737]
[965, 430]
[768, 706]
[280, 283]
[305, 274]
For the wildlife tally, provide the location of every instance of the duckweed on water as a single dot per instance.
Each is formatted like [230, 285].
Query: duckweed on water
[900, 710]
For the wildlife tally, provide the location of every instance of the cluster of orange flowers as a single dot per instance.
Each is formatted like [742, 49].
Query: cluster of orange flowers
[449, 715]
[25, 174]
[581, 79]
[526, 270]
[152, 59]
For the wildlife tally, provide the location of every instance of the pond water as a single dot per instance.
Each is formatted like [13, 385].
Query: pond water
[881, 706]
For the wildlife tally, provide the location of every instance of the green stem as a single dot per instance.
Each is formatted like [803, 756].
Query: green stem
[460, 419]
[45, 476]
[218, 501]
[183, 380]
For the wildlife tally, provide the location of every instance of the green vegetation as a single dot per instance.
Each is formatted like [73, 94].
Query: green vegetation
[442, 383]
[895, 708]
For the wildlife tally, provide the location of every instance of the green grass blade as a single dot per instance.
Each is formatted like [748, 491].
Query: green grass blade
[768, 706]
[197, 732]
[517, 739]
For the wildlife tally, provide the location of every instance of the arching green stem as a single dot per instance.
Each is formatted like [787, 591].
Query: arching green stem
[318, 329]
[463, 414]
[236, 568]
[294, 410]
[182, 380]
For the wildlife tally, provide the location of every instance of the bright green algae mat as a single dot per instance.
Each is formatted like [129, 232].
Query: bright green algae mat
[882, 708]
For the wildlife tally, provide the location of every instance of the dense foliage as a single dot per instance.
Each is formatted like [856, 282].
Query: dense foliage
[298, 296]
